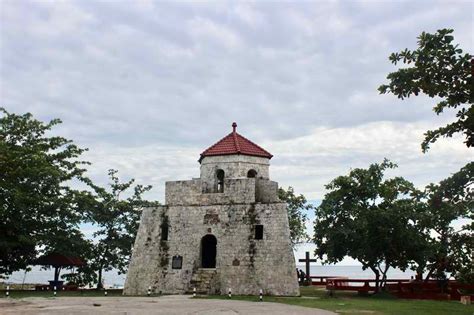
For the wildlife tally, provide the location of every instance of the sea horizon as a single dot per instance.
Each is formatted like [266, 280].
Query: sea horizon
[112, 279]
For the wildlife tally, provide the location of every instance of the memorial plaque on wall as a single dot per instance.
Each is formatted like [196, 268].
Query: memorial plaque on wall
[177, 262]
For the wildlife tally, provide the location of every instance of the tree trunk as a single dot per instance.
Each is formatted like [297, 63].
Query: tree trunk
[57, 271]
[384, 277]
[101, 266]
[419, 272]
[377, 278]
[383, 282]
[99, 280]
[430, 273]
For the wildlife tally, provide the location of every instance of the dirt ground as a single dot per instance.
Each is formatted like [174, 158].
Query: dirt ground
[173, 304]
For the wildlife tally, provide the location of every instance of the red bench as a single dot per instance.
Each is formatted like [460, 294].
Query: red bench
[322, 280]
[430, 290]
[345, 284]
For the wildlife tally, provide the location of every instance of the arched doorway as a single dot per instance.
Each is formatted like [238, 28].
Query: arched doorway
[208, 251]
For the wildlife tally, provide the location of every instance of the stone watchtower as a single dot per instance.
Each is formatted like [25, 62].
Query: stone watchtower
[226, 229]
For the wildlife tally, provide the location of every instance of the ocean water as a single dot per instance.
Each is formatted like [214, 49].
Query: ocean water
[113, 279]
[40, 275]
[354, 272]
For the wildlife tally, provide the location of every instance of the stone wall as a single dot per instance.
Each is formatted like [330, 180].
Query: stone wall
[234, 166]
[266, 191]
[242, 262]
[194, 209]
[238, 190]
[150, 256]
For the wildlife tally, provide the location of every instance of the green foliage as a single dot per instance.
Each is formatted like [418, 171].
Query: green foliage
[439, 69]
[117, 220]
[369, 219]
[38, 209]
[389, 223]
[450, 250]
[297, 207]
[40, 213]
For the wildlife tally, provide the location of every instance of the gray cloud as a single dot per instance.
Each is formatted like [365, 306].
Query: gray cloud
[148, 85]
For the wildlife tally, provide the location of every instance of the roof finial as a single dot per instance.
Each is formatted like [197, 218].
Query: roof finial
[234, 126]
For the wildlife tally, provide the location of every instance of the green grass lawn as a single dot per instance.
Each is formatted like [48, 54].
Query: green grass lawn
[351, 303]
[342, 302]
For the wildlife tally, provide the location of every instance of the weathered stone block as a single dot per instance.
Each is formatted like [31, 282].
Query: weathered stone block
[210, 240]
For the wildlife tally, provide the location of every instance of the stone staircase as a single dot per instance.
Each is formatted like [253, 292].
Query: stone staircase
[202, 280]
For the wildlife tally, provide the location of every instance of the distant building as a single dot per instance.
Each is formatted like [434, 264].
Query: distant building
[227, 229]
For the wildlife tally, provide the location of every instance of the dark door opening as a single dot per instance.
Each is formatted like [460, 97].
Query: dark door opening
[208, 251]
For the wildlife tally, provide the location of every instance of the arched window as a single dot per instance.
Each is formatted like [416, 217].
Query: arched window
[220, 180]
[252, 174]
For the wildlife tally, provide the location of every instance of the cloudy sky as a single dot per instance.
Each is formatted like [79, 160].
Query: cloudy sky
[147, 86]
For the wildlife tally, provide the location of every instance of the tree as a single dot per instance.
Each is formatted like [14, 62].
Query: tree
[117, 220]
[440, 69]
[297, 208]
[450, 250]
[70, 243]
[37, 205]
[369, 219]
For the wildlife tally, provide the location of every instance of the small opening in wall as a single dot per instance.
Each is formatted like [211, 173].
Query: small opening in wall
[208, 251]
[220, 180]
[258, 232]
[252, 174]
[164, 231]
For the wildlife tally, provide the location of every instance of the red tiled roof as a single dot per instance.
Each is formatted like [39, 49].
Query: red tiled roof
[234, 143]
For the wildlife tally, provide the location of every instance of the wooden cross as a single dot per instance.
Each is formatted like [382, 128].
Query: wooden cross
[307, 261]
